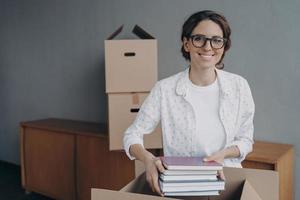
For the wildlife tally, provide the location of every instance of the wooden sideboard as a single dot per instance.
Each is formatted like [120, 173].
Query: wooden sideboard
[64, 159]
[278, 157]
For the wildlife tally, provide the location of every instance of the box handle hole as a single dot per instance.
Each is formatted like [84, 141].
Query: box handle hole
[129, 54]
[134, 110]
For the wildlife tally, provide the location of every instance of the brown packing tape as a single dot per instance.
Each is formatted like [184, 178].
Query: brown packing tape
[135, 99]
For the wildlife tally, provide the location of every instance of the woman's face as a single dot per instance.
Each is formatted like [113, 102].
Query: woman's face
[206, 56]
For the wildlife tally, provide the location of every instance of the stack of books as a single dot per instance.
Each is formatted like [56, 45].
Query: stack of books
[190, 176]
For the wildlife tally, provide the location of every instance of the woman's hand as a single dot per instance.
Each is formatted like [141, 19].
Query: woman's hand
[219, 158]
[153, 166]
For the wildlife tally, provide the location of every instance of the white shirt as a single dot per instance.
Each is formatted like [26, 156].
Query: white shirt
[168, 105]
[210, 133]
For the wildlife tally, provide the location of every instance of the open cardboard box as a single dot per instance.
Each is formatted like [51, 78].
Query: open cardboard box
[241, 183]
[130, 65]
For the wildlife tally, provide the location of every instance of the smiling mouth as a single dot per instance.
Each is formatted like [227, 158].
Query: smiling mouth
[205, 56]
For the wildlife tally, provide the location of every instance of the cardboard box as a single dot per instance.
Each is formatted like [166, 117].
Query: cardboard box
[122, 110]
[244, 184]
[130, 65]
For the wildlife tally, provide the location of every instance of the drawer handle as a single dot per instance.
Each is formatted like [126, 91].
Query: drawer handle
[129, 54]
[134, 110]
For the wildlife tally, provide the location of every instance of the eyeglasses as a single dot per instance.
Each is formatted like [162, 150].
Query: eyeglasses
[216, 42]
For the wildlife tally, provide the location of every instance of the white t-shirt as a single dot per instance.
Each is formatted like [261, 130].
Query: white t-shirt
[210, 133]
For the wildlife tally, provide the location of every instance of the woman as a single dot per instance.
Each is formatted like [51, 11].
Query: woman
[204, 111]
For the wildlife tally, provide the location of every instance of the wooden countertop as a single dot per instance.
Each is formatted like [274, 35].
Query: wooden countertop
[268, 152]
[69, 126]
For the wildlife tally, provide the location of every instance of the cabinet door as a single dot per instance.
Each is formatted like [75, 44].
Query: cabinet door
[49, 163]
[97, 167]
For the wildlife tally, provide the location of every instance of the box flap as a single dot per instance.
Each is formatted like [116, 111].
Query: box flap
[249, 192]
[103, 194]
[138, 31]
[136, 184]
[264, 182]
[141, 33]
[140, 185]
[114, 34]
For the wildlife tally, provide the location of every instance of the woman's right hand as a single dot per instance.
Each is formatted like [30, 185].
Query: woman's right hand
[153, 166]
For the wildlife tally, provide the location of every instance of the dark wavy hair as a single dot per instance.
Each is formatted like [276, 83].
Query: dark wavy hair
[195, 19]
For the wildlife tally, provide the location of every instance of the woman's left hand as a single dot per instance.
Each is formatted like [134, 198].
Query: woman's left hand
[229, 152]
[219, 158]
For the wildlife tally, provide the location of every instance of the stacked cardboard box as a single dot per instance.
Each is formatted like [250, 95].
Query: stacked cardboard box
[130, 73]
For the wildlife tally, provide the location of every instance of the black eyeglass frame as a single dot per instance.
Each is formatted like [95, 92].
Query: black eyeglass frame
[210, 41]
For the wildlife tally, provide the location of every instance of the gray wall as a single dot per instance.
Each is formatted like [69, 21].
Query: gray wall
[51, 59]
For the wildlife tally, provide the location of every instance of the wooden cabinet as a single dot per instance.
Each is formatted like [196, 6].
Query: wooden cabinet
[278, 157]
[98, 167]
[49, 163]
[63, 159]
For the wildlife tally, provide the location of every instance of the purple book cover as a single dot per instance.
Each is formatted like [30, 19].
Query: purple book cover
[189, 163]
